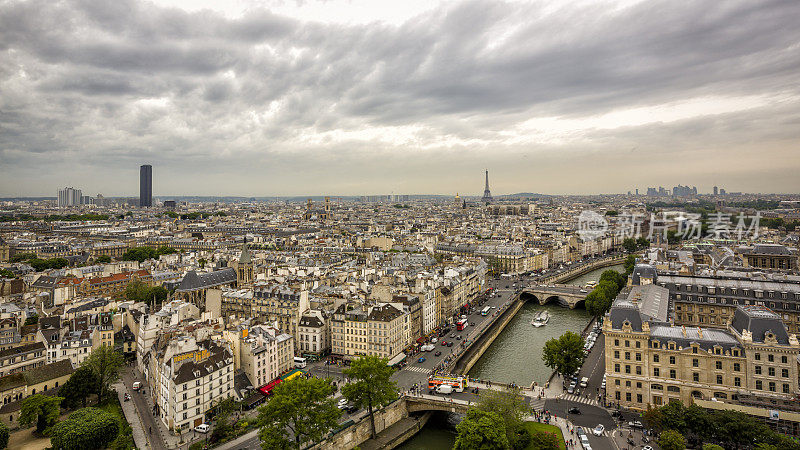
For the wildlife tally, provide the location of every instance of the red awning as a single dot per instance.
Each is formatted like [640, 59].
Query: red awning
[421, 339]
[267, 388]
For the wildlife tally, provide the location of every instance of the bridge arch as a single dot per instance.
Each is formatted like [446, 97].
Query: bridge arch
[529, 296]
[553, 298]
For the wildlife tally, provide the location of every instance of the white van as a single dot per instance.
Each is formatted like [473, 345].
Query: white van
[444, 389]
[202, 428]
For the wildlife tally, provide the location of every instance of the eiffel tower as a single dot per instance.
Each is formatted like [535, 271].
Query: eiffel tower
[487, 194]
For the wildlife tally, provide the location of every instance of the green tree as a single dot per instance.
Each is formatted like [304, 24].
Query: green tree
[33, 319]
[41, 409]
[712, 447]
[652, 418]
[671, 440]
[614, 277]
[764, 446]
[86, 428]
[565, 354]
[223, 424]
[371, 386]
[642, 242]
[202, 262]
[544, 440]
[136, 291]
[82, 383]
[597, 303]
[629, 244]
[103, 259]
[5, 273]
[302, 406]
[481, 430]
[630, 263]
[105, 362]
[510, 406]
[4, 435]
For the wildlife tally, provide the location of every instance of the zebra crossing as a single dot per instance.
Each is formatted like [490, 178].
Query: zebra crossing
[579, 399]
[537, 404]
[418, 369]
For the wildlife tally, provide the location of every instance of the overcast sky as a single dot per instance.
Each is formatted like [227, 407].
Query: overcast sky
[361, 97]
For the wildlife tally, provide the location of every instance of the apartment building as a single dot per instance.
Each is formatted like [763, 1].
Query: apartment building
[313, 333]
[194, 376]
[711, 301]
[367, 330]
[21, 358]
[649, 361]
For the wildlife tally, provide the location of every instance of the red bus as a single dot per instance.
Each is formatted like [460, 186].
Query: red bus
[461, 324]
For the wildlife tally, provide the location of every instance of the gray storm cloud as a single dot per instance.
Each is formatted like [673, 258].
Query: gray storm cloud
[578, 99]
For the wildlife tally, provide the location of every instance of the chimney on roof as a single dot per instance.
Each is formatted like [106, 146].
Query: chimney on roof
[683, 330]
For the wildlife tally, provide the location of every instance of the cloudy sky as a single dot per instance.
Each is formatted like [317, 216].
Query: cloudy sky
[359, 97]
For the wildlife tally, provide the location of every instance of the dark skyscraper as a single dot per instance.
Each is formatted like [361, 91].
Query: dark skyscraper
[146, 185]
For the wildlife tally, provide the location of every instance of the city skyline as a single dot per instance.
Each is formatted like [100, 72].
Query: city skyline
[348, 98]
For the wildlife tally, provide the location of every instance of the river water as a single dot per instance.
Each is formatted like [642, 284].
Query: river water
[515, 356]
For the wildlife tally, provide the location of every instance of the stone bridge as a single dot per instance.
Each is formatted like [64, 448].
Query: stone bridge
[433, 403]
[563, 294]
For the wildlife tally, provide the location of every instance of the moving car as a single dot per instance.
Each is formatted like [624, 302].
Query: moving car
[437, 354]
[584, 382]
[635, 424]
[202, 428]
[574, 410]
[449, 344]
[421, 359]
[598, 430]
[137, 385]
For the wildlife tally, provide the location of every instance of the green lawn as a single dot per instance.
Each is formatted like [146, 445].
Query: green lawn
[536, 426]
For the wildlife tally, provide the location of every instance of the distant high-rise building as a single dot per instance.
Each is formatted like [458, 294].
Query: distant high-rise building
[722, 191]
[146, 186]
[69, 197]
[487, 194]
[637, 192]
[716, 190]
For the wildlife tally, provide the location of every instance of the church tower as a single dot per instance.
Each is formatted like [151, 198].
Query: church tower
[245, 268]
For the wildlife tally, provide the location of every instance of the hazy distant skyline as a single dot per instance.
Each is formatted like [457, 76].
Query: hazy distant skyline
[282, 98]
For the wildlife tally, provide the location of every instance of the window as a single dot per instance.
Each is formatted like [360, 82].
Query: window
[617, 395]
[638, 344]
[759, 384]
[616, 342]
[758, 370]
[627, 343]
[672, 373]
[656, 387]
[672, 360]
[628, 355]
[771, 371]
[656, 372]
[772, 386]
[785, 388]
[784, 360]
[695, 377]
[639, 398]
[737, 367]
[657, 400]
[638, 356]
[737, 382]
[627, 368]
[719, 379]
[616, 354]
[771, 358]
[758, 356]
[627, 396]
[638, 370]
[695, 362]
[719, 365]
[673, 389]
[655, 358]
[628, 383]
[616, 367]
[785, 373]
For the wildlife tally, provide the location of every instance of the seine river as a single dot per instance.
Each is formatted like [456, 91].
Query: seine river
[515, 356]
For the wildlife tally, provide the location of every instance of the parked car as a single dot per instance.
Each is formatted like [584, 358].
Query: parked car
[571, 389]
[202, 428]
[342, 403]
[350, 409]
[137, 385]
[449, 344]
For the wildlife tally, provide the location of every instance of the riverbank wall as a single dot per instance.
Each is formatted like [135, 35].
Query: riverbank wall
[582, 270]
[473, 353]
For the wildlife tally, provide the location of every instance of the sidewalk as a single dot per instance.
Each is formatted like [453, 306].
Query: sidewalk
[131, 416]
